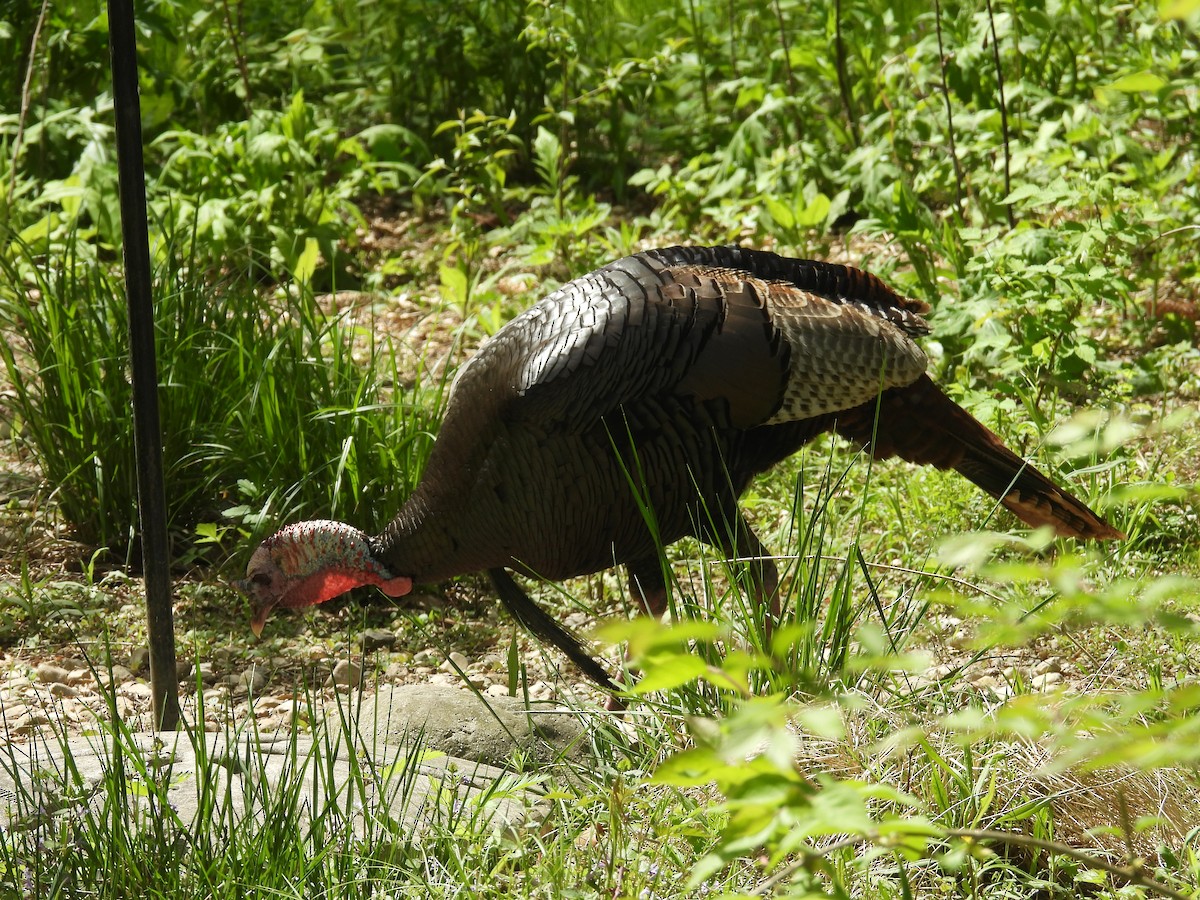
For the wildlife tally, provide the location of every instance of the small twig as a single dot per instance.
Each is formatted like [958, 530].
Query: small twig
[827, 557]
[1134, 873]
[843, 75]
[26, 91]
[787, 50]
[806, 857]
[1174, 231]
[733, 61]
[1008, 207]
[958, 172]
[698, 38]
[234, 29]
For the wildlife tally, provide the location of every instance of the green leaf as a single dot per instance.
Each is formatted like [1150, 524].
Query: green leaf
[781, 213]
[691, 768]
[814, 213]
[306, 263]
[454, 285]
[663, 671]
[1024, 192]
[823, 721]
[1178, 9]
[39, 231]
[1137, 83]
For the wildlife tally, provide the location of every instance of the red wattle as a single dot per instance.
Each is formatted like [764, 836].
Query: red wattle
[396, 587]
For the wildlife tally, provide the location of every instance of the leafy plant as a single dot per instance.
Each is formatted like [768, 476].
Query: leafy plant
[272, 408]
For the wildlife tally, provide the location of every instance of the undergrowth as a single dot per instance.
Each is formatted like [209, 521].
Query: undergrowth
[1029, 170]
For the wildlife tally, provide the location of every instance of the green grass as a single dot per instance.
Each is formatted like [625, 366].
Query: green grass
[832, 763]
[271, 406]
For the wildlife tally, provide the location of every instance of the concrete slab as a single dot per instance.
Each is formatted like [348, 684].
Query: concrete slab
[326, 774]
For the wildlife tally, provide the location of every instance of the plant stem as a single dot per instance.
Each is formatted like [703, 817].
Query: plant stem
[958, 173]
[1008, 207]
[234, 30]
[843, 75]
[25, 94]
[787, 50]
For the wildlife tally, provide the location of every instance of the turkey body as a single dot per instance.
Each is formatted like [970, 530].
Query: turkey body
[631, 408]
[666, 381]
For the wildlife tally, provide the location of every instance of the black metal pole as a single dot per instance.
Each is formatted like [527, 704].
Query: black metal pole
[152, 505]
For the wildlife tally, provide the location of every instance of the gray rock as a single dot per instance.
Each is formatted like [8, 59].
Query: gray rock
[1046, 681]
[347, 673]
[12, 711]
[32, 720]
[459, 723]
[253, 679]
[136, 690]
[47, 673]
[377, 639]
[423, 601]
[64, 691]
[119, 675]
[1046, 666]
[139, 660]
[426, 657]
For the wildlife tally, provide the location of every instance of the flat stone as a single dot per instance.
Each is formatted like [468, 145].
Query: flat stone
[426, 657]
[108, 678]
[373, 779]
[1046, 666]
[136, 690]
[1046, 681]
[64, 691]
[254, 679]
[377, 639]
[47, 673]
[31, 721]
[12, 710]
[459, 723]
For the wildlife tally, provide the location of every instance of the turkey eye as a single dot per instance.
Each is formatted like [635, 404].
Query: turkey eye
[261, 579]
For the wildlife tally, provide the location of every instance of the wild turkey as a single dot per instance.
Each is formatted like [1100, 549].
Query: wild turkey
[663, 381]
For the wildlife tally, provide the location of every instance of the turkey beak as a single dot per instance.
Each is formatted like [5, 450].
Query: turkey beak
[259, 609]
[259, 619]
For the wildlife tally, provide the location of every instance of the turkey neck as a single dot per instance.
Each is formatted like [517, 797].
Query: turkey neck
[435, 536]
[417, 542]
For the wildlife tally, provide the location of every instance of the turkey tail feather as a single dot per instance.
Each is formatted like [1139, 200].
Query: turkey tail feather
[921, 424]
